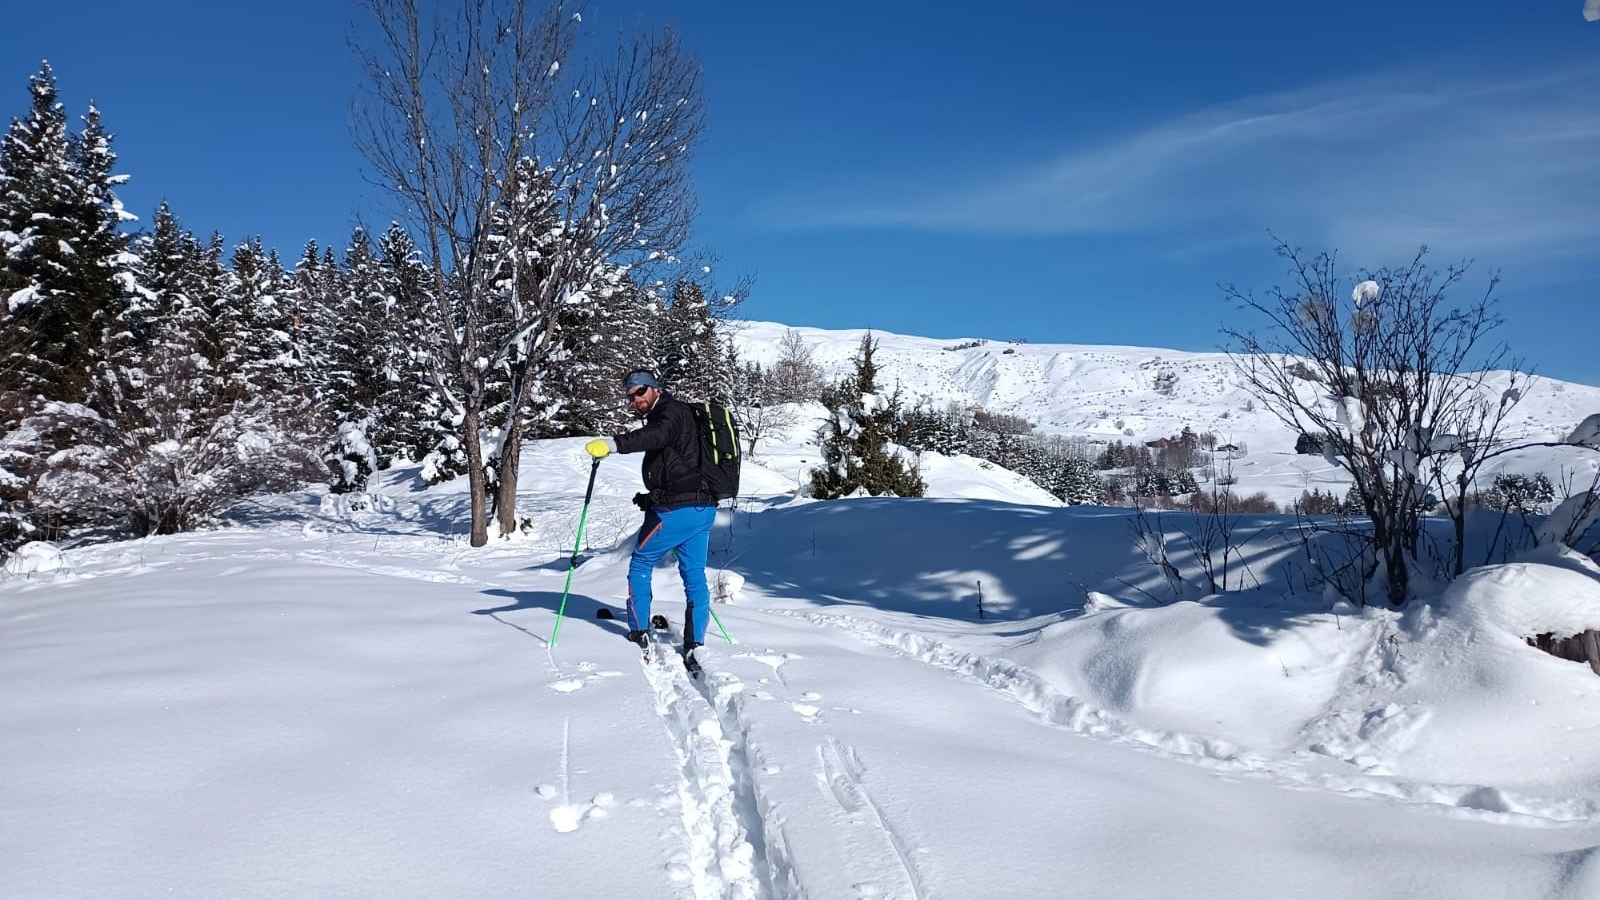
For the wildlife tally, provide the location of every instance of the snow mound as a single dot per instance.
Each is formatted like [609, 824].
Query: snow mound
[34, 556]
[1556, 593]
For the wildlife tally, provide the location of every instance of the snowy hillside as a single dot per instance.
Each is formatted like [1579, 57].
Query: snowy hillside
[1102, 391]
[311, 705]
[1109, 393]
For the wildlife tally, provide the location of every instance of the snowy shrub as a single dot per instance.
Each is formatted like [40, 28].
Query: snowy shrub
[726, 585]
[1514, 492]
[167, 464]
[352, 503]
[1303, 372]
[350, 458]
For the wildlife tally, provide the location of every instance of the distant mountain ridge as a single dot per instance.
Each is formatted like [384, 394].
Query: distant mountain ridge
[1105, 392]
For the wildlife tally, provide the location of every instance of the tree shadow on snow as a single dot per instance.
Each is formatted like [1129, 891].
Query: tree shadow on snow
[579, 606]
[931, 557]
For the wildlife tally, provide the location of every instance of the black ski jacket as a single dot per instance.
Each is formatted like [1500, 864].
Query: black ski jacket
[671, 445]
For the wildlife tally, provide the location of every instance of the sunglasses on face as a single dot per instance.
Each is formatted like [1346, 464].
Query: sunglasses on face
[639, 391]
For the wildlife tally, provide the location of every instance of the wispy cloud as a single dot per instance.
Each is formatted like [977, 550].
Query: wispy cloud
[1467, 164]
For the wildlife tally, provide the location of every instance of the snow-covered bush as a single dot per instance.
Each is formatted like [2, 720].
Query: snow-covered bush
[158, 470]
[350, 458]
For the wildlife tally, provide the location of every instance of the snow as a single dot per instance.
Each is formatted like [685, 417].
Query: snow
[23, 297]
[33, 557]
[1587, 432]
[309, 702]
[1591, 10]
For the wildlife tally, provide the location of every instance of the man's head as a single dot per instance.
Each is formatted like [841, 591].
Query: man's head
[642, 390]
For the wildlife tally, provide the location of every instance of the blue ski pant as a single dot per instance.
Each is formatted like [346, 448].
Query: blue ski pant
[686, 529]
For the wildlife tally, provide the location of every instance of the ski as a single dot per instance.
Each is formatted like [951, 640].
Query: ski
[691, 663]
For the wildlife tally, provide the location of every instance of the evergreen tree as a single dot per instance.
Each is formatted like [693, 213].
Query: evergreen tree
[1075, 482]
[173, 288]
[410, 404]
[600, 341]
[261, 299]
[687, 347]
[857, 449]
[347, 352]
[63, 277]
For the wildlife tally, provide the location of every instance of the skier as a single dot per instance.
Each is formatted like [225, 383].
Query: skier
[678, 512]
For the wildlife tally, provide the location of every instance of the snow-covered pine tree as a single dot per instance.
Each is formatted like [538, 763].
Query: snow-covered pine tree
[600, 341]
[410, 406]
[857, 449]
[346, 339]
[1074, 481]
[260, 298]
[65, 285]
[173, 287]
[63, 268]
[687, 349]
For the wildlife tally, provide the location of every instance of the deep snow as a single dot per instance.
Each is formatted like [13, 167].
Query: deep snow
[311, 704]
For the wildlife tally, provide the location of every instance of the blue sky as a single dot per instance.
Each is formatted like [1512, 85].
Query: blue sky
[1076, 172]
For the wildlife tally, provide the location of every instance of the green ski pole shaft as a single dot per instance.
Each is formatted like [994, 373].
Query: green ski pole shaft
[577, 545]
[719, 623]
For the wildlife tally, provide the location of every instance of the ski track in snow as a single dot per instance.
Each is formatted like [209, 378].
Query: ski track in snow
[862, 821]
[1038, 695]
[840, 772]
[732, 854]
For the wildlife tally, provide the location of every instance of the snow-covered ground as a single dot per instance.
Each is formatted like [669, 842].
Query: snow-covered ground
[318, 706]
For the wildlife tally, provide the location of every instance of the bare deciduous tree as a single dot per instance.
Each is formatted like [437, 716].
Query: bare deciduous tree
[795, 377]
[1401, 388]
[760, 414]
[532, 176]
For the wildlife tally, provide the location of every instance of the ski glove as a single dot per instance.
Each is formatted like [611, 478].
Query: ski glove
[599, 448]
[643, 501]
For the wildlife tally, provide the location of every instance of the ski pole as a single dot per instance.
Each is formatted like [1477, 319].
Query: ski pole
[576, 546]
[719, 623]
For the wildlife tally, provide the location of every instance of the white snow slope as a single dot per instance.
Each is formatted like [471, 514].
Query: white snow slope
[309, 705]
[1107, 393]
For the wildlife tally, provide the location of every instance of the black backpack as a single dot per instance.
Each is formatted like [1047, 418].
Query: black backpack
[719, 449]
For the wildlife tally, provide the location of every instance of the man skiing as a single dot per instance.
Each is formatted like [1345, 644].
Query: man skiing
[678, 510]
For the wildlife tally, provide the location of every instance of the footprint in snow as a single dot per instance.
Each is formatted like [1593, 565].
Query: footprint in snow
[568, 685]
[566, 817]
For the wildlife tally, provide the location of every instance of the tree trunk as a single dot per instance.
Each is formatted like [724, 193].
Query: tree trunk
[1398, 571]
[510, 456]
[472, 439]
